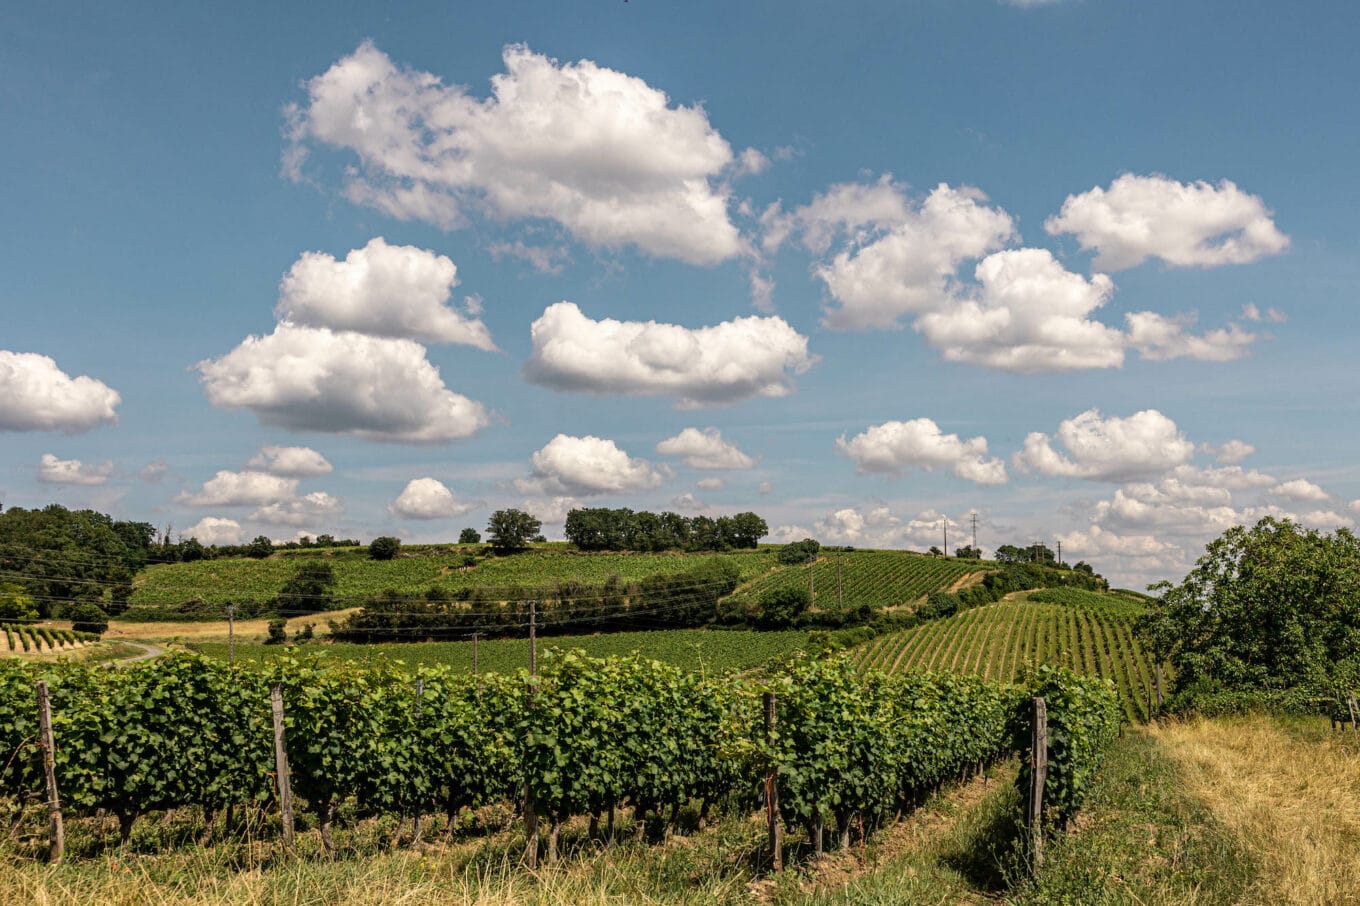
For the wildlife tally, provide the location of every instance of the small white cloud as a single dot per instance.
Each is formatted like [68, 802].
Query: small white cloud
[1184, 224]
[724, 363]
[428, 498]
[1300, 489]
[382, 290]
[1158, 338]
[246, 488]
[705, 449]
[546, 259]
[290, 462]
[765, 488]
[1231, 452]
[309, 509]
[213, 530]
[688, 503]
[155, 471]
[1252, 313]
[709, 484]
[36, 395]
[549, 510]
[316, 379]
[588, 465]
[893, 446]
[72, 471]
[1108, 449]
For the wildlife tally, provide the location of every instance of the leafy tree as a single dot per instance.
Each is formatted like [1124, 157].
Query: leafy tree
[309, 589]
[88, 618]
[746, 530]
[278, 633]
[935, 551]
[15, 604]
[1273, 606]
[939, 604]
[192, 550]
[1009, 553]
[469, 536]
[260, 548]
[799, 551]
[967, 553]
[511, 530]
[781, 606]
[384, 548]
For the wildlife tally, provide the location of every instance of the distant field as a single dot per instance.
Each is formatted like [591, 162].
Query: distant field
[241, 579]
[1090, 632]
[876, 578]
[697, 649]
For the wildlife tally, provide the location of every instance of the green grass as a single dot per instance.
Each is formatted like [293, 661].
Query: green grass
[874, 578]
[699, 649]
[241, 579]
[1088, 631]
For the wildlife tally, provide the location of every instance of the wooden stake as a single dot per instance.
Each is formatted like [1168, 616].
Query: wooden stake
[55, 829]
[776, 830]
[1354, 708]
[281, 767]
[1034, 807]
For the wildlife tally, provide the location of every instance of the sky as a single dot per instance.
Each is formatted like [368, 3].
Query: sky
[1084, 268]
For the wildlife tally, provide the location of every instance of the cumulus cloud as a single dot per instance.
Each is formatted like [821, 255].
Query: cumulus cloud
[765, 488]
[1184, 224]
[1231, 452]
[549, 510]
[155, 471]
[214, 530]
[705, 449]
[709, 484]
[1107, 449]
[428, 498]
[893, 446]
[36, 395]
[72, 471]
[291, 462]
[546, 259]
[688, 503]
[600, 152]
[305, 510]
[381, 290]
[726, 362]
[1251, 312]
[1158, 338]
[1300, 489]
[245, 488]
[317, 379]
[588, 465]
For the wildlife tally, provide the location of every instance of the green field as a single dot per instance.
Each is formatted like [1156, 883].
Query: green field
[715, 651]
[1090, 632]
[874, 578]
[240, 579]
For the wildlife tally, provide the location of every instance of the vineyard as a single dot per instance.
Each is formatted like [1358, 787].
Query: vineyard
[696, 650]
[875, 579]
[23, 637]
[586, 738]
[1089, 632]
[357, 577]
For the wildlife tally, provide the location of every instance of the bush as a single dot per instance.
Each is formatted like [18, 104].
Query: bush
[939, 604]
[260, 548]
[89, 618]
[277, 633]
[781, 606]
[384, 548]
[799, 551]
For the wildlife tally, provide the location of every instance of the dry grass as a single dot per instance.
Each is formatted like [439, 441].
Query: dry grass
[1293, 802]
[205, 631]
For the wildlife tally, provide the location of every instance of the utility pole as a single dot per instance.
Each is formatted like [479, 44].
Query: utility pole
[231, 633]
[973, 516]
[840, 598]
[945, 522]
[533, 638]
[1060, 554]
[812, 583]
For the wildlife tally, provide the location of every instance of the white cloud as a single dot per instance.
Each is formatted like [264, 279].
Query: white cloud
[844, 206]
[588, 465]
[1354, 507]
[1158, 338]
[893, 446]
[549, 510]
[429, 498]
[213, 530]
[1095, 541]
[1029, 315]
[1184, 224]
[1234, 478]
[546, 259]
[598, 151]
[155, 471]
[1252, 313]
[688, 503]
[705, 449]
[1300, 489]
[1231, 452]
[72, 471]
[291, 462]
[305, 510]
[316, 379]
[246, 488]
[36, 395]
[723, 363]
[709, 484]
[904, 266]
[381, 290]
[765, 488]
[1108, 449]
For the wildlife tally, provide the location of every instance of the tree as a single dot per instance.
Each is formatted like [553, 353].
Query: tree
[308, 590]
[88, 618]
[799, 551]
[469, 536]
[747, 530]
[15, 604]
[781, 606]
[278, 633]
[384, 548]
[935, 551]
[967, 553]
[1273, 606]
[1009, 553]
[511, 530]
[260, 548]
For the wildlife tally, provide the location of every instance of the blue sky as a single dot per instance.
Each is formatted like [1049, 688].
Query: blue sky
[1043, 261]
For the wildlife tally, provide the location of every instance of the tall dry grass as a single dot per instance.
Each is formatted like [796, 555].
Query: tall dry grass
[1293, 802]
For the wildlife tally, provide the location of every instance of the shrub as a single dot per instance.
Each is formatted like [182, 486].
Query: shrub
[469, 536]
[799, 551]
[939, 604]
[89, 618]
[781, 606]
[278, 635]
[384, 548]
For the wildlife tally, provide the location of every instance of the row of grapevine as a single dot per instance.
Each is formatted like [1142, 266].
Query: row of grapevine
[26, 637]
[585, 737]
[874, 579]
[1088, 632]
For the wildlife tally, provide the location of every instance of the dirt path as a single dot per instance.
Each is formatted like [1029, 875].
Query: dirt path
[148, 652]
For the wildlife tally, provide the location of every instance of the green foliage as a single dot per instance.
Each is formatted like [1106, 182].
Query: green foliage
[88, 618]
[260, 547]
[938, 604]
[1270, 607]
[779, 607]
[308, 590]
[799, 551]
[469, 536]
[384, 547]
[278, 634]
[510, 531]
[15, 604]
[602, 528]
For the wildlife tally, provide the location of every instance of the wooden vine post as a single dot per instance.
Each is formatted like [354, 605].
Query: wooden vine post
[530, 805]
[776, 831]
[1038, 774]
[55, 829]
[1354, 707]
[281, 767]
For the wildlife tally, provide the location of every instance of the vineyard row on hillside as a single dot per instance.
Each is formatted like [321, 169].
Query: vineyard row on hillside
[873, 579]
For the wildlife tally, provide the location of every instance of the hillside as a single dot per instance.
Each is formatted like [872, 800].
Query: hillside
[873, 578]
[1090, 632]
